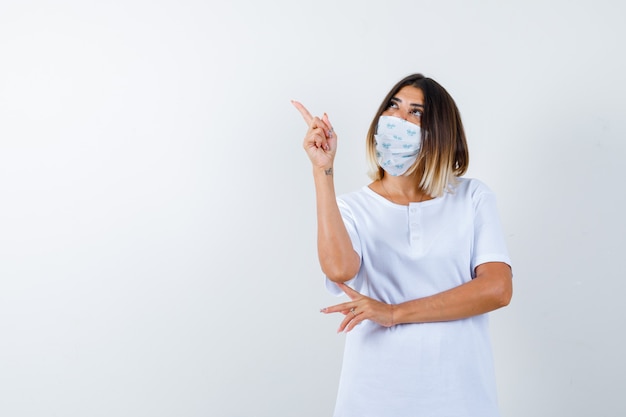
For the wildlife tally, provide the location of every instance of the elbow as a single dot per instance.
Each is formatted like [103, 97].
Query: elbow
[504, 299]
[341, 270]
[504, 293]
[339, 275]
[497, 283]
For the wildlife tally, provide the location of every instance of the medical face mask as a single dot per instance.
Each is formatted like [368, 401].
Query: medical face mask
[397, 144]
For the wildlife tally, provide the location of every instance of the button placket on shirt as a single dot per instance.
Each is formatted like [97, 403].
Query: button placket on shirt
[414, 225]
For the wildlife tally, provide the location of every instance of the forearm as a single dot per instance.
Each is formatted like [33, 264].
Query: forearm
[485, 293]
[337, 257]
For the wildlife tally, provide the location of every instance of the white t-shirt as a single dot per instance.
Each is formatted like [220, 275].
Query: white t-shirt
[409, 252]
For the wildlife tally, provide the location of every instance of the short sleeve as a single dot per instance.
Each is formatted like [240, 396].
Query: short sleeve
[351, 226]
[489, 242]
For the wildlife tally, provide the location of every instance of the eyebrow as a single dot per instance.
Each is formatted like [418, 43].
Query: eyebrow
[410, 104]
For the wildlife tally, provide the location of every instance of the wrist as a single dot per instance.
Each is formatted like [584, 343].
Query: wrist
[326, 171]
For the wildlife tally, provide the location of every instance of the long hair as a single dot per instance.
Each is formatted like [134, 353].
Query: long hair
[444, 155]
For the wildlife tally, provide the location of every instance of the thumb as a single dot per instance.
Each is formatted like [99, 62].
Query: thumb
[326, 120]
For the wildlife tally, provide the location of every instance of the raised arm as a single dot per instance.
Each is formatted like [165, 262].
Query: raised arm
[336, 255]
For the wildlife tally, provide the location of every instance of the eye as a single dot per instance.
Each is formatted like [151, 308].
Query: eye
[417, 113]
[392, 105]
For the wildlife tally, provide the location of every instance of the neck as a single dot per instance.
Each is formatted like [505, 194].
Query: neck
[402, 190]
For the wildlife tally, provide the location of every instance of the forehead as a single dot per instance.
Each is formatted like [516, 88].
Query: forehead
[410, 94]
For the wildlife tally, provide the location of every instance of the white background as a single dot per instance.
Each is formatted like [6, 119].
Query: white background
[157, 220]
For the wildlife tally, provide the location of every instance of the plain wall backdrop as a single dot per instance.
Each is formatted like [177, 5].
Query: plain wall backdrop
[157, 216]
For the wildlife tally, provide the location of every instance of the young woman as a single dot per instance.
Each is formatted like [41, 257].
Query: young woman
[422, 257]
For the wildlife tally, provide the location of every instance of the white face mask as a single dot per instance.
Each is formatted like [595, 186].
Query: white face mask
[397, 144]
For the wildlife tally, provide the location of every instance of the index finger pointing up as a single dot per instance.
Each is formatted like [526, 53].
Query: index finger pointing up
[349, 291]
[303, 111]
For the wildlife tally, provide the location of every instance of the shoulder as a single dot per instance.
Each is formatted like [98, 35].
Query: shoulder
[357, 197]
[470, 187]
[470, 193]
[472, 184]
[362, 204]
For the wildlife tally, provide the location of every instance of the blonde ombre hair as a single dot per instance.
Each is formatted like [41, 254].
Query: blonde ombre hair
[444, 155]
